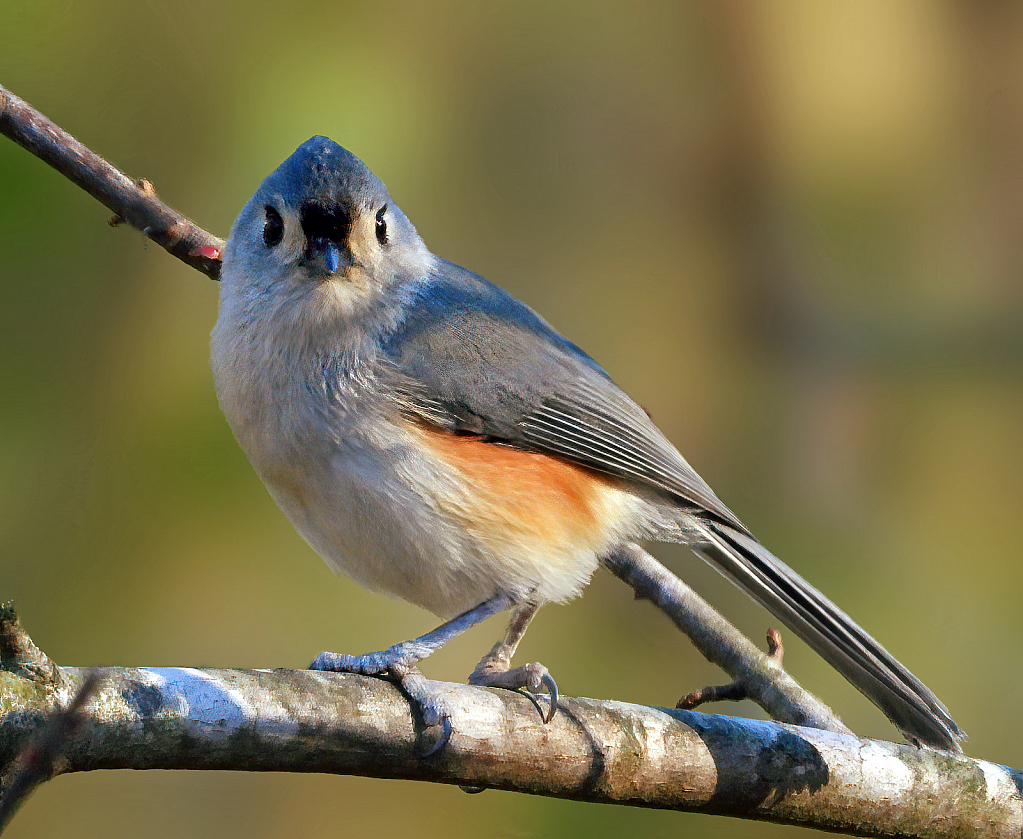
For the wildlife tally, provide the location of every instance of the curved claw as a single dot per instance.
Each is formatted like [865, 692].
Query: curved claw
[443, 740]
[536, 703]
[552, 690]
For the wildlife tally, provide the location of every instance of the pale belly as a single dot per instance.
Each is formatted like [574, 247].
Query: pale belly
[447, 522]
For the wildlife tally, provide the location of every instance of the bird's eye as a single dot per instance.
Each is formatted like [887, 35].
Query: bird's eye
[273, 229]
[382, 225]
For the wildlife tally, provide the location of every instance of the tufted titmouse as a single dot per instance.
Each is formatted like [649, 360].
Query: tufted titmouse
[435, 439]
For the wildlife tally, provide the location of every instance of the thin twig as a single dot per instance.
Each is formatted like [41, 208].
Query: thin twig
[734, 691]
[134, 202]
[765, 682]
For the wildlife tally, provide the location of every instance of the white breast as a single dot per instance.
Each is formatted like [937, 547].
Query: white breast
[395, 508]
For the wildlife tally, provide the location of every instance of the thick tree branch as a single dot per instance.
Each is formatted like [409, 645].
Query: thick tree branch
[132, 201]
[611, 752]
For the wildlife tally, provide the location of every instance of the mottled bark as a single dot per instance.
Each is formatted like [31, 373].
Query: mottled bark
[610, 752]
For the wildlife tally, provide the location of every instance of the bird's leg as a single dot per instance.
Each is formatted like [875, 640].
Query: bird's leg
[494, 670]
[399, 662]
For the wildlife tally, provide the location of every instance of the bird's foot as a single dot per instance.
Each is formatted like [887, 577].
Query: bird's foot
[399, 664]
[530, 679]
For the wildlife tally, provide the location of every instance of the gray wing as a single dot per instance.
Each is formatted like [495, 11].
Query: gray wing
[470, 358]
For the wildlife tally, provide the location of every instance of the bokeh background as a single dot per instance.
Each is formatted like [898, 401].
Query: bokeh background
[791, 230]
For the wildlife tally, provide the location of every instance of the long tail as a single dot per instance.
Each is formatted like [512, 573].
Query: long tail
[832, 633]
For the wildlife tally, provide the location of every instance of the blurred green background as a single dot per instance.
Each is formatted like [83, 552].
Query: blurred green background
[791, 230]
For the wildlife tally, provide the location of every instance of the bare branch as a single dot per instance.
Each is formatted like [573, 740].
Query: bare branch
[134, 202]
[760, 674]
[737, 690]
[611, 752]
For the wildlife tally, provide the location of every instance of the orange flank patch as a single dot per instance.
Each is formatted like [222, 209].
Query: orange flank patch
[527, 494]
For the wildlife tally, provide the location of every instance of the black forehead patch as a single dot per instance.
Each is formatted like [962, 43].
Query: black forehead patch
[331, 222]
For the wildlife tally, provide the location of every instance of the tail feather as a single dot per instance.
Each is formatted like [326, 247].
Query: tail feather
[833, 634]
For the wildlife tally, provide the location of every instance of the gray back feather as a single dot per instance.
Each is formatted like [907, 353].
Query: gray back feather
[473, 359]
